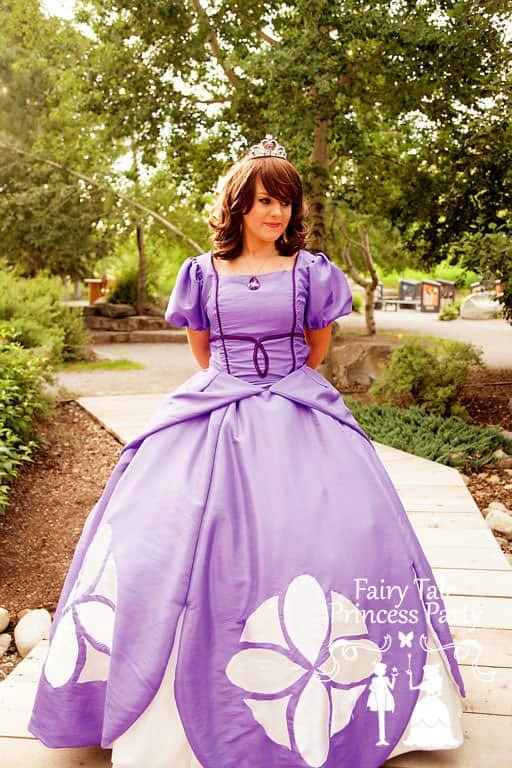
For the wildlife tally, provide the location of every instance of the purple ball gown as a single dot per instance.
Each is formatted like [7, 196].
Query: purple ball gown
[248, 592]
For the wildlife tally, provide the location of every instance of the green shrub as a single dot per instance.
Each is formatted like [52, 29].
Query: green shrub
[428, 373]
[33, 309]
[357, 303]
[447, 440]
[448, 312]
[22, 397]
[126, 287]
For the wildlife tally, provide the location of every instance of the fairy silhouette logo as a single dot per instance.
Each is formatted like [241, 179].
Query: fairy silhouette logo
[269, 672]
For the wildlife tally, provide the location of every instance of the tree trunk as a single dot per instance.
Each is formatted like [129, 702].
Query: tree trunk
[368, 285]
[319, 174]
[142, 292]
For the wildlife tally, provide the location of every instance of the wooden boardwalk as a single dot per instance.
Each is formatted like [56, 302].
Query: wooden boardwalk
[473, 574]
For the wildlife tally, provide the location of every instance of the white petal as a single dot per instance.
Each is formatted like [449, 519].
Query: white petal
[98, 621]
[93, 560]
[346, 618]
[343, 703]
[351, 660]
[63, 653]
[263, 671]
[264, 626]
[306, 615]
[311, 723]
[107, 585]
[97, 665]
[271, 714]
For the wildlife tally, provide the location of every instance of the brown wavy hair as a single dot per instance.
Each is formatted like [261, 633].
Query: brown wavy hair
[281, 180]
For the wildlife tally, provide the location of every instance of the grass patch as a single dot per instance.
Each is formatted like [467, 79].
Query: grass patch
[122, 364]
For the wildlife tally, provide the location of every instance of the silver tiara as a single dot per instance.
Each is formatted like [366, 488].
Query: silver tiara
[268, 147]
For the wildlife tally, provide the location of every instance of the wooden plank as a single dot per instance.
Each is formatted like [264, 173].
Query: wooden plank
[467, 582]
[495, 646]
[479, 558]
[30, 753]
[465, 503]
[461, 521]
[478, 537]
[487, 742]
[476, 611]
[492, 695]
[16, 703]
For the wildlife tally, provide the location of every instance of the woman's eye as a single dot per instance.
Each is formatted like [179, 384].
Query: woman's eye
[267, 200]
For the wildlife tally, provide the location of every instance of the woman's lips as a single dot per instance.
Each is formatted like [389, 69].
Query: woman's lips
[274, 226]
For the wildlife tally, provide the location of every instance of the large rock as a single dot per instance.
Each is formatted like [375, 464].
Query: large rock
[5, 641]
[358, 362]
[496, 506]
[4, 619]
[500, 522]
[480, 306]
[31, 628]
[134, 323]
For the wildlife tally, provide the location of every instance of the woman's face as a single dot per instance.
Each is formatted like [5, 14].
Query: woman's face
[266, 211]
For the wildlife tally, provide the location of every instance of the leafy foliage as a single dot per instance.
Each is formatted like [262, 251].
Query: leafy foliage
[22, 398]
[429, 376]
[33, 308]
[449, 440]
[125, 289]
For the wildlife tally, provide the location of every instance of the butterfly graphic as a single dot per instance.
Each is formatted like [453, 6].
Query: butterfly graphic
[405, 640]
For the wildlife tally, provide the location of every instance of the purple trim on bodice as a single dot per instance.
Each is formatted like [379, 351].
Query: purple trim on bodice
[258, 340]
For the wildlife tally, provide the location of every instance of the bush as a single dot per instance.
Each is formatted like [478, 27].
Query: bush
[126, 288]
[33, 309]
[432, 377]
[449, 440]
[357, 303]
[22, 377]
[448, 312]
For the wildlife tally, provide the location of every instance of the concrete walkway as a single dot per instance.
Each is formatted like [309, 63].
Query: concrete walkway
[470, 568]
[494, 336]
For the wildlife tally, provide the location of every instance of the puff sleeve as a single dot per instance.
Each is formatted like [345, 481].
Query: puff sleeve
[185, 305]
[329, 293]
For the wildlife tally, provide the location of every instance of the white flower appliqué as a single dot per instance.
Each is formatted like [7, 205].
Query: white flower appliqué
[86, 624]
[322, 709]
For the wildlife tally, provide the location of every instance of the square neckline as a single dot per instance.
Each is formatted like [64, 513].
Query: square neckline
[259, 274]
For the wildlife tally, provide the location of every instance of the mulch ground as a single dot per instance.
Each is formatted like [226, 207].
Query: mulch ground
[54, 494]
[49, 503]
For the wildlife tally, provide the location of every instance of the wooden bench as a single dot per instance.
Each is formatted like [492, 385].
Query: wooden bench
[396, 302]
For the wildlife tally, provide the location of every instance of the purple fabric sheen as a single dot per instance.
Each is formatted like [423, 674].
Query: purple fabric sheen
[184, 307]
[237, 488]
[330, 296]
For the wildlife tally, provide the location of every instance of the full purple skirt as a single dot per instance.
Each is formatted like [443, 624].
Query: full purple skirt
[262, 518]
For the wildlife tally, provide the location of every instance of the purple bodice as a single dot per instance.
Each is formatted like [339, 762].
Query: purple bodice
[258, 335]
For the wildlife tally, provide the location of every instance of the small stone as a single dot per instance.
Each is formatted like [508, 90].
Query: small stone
[465, 478]
[500, 522]
[22, 613]
[31, 628]
[4, 619]
[5, 641]
[498, 506]
[494, 479]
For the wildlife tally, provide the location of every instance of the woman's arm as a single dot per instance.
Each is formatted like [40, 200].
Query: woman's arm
[318, 340]
[199, 342]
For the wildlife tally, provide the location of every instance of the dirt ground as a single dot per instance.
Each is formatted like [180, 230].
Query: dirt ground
[53, 496]
[49, 503]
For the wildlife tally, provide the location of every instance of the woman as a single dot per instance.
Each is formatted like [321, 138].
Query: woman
[249, 565]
